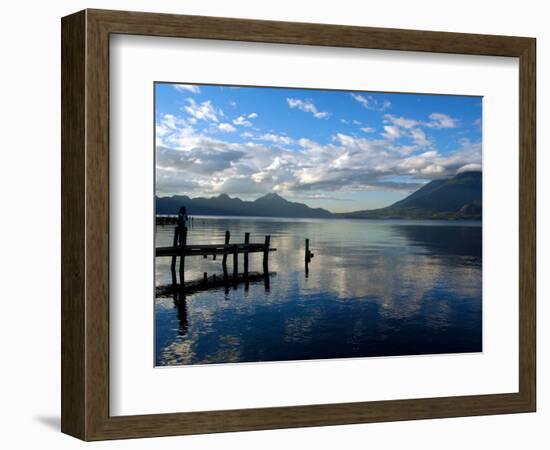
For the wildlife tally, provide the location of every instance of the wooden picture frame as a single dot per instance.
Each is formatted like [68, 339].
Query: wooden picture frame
[85, 224]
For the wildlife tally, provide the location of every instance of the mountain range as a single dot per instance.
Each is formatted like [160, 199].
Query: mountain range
[270, 205]
[458, 197]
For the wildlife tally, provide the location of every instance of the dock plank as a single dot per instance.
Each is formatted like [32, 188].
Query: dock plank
[191, 250]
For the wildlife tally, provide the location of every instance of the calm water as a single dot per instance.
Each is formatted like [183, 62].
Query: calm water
[374, 288]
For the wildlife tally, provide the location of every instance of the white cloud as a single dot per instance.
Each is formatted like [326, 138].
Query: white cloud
[187, 88]
[241, 121]
[361, 99]
[419, 137]
[196, 163]
[391, 132]
[439, 120]
[469, 168]
[252, 115]
[413, 129]
[226, 128]
[401, 122]
[276, 138]
[368, 130]
[307, 106]
[369, 102]
[202, 111]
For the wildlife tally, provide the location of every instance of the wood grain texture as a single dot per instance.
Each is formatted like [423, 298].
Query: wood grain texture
[527, 224]
[85, 224]
[73, 320]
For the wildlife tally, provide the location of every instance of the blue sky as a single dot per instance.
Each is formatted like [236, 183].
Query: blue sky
[340, 150]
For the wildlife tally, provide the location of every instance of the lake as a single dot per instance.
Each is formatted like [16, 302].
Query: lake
[374, 288]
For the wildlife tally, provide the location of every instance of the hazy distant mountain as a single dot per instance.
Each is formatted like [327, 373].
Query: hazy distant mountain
[458, 197]
[270, 205]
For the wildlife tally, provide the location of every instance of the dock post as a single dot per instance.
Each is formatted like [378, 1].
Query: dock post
[173, 264]
[266, 254]
[224, 259]
[183, 242]
[246, 242]
[235, 263]
[308, 256]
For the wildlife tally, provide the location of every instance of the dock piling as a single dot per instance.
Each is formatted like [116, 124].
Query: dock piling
[224, 259]
[173, 264]
[183, 244]
[308, 256]
[235, 262]
[266, 254]
[181, 249]
[246, 242]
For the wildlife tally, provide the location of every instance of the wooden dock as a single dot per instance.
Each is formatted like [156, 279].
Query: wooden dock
[180, 249]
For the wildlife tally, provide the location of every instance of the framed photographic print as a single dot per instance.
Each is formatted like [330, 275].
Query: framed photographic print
[270, 224]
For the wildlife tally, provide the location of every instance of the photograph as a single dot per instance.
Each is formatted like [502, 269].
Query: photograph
[305, 224]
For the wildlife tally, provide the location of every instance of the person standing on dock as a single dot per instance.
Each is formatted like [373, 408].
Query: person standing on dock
[183, 220]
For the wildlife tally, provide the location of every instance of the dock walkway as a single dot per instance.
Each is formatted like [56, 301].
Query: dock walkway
[180, 249]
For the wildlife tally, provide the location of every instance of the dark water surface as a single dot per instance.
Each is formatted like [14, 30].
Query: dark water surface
[375, 288]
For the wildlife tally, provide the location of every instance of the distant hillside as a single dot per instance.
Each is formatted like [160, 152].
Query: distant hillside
[458, 197]
[270, 205]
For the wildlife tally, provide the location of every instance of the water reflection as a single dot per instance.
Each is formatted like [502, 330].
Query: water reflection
[373, 288]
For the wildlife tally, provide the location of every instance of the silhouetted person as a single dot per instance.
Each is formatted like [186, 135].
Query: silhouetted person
[183, 220]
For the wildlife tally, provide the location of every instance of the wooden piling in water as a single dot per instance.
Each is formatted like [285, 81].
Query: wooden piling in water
[246, 241]
[181, 249]
[183, 243]
[173, 264]
[266, 254]
[307, 257]
[235, 263]
[224, 259]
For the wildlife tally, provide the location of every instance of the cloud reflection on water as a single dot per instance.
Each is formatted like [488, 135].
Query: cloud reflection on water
[374, 288]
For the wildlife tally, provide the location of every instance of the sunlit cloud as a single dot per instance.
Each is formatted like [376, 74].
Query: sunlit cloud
[202, 111]
[307, 106]
[226, 128]
[278, 139]
[439, 120]
[369, 102]
[194, 89]
[203, 152]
